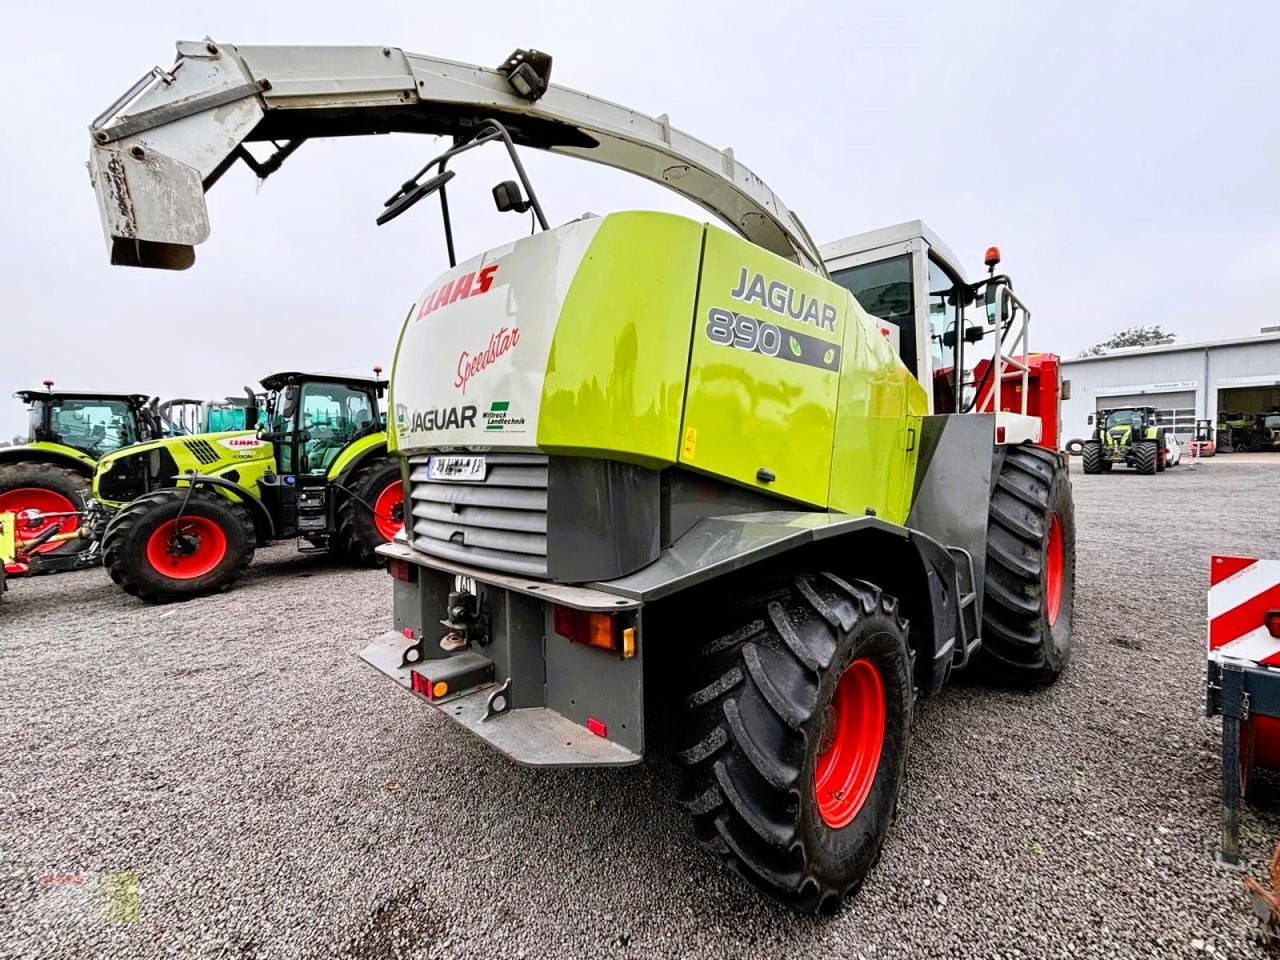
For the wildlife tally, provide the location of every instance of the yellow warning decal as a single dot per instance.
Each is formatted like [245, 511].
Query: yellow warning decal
[690, 442]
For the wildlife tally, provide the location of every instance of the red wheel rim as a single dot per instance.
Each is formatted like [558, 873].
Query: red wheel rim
[24, 500]
[1053, 571]
[210, 547]
[390, 504]
[846, 768]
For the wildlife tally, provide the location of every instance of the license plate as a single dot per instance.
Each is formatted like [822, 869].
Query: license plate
[456, 468]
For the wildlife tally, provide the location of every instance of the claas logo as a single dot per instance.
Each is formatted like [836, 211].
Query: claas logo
[459, 288]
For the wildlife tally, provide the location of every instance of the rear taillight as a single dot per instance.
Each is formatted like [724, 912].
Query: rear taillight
[1272, 620]
[401, 570]
[600, 630]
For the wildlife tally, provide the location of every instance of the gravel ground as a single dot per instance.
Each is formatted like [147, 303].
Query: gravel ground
[275, 798]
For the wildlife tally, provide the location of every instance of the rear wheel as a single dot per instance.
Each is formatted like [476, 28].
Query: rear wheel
[797, 736]
[177, 544]
[1029, 589]
[1146, 455]
[372, 513]
[1092, 456]
[29, 489]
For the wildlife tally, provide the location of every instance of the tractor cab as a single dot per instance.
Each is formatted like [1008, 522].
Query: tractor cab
[94, 424]
[966, 343]
[312, 418]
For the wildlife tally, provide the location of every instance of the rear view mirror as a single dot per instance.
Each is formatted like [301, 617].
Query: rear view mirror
[507, 197]
[1089, 420]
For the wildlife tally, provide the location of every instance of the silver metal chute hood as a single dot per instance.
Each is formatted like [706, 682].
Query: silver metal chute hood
[167, 140]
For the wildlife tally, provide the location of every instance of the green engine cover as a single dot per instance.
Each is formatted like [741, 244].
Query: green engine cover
[654, 339]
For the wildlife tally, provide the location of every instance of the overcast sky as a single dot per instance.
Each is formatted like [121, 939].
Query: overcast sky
[1125, 156]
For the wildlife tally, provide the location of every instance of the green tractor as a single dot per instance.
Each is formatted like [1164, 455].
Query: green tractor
[44, 483]
[1128, 436]
[192, 509]
[659, 466]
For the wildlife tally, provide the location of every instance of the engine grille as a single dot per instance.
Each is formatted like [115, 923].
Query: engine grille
[500, 523]
[202, 450]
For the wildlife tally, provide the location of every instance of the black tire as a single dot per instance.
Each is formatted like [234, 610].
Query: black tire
[1160, 456]
[1023, 641]
[64, 481]
[755, 725]
[1146, 455]
[357, 536]
[1092, 457]
[1075, 447]
[125, 544]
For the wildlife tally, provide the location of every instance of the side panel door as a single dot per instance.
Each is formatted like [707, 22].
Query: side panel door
[763, 371]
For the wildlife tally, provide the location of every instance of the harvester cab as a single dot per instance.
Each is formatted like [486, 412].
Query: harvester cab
[45, 482]
[637, 447]
[1127, 436]
[191, 509]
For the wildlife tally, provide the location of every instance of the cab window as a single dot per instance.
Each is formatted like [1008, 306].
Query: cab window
[332, 415]
[95, 426]
[944, 325]
[883, 289]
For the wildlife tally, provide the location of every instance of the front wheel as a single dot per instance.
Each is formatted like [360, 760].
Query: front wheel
[178, 543]
[1091, 455]
[1029, 589]
[798, 732]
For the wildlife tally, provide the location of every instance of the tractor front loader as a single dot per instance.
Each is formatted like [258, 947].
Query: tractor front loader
[45, 482]
[1125, 436]
[192, 509]
[642, 452]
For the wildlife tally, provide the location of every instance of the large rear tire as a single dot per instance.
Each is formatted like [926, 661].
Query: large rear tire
[1092, 456]
[1146, 454]
[372, 516]
[797, 735]
[176, 544]
[45, 488]
[1029, 588]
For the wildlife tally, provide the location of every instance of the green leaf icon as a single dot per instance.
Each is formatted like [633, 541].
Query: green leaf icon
[794, 344]
[829, 357]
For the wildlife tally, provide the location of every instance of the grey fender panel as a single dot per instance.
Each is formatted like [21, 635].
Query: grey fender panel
[958, 457]
[716, 546]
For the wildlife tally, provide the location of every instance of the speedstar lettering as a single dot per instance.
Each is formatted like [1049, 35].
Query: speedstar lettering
[459, 288]
[469, 365]
[777, 297]
[443, 418]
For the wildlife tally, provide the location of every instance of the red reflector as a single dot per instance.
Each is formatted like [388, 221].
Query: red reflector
[420, 684]
[400, 570]
[999, 434]
[581, 626]
[1272, 621]
[408, 632]
[597, 727]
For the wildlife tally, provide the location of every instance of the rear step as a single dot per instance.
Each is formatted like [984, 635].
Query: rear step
[970, 638]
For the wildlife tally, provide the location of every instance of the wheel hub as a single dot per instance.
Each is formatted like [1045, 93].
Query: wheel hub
[851, 742]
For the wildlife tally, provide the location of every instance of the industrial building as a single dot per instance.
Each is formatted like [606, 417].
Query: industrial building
[1186, 382]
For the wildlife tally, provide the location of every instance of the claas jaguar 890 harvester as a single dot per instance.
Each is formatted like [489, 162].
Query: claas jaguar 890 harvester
[642, 452]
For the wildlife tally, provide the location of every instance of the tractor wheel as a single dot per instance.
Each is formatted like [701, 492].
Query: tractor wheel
[372, 513]
[1092, 457]
[797, 735]
[44, 488]
[1146, 454]
[1160, 456]
[174, 544]
[1030, 580]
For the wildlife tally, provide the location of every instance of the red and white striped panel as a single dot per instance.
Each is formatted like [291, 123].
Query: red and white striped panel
[1241, 592]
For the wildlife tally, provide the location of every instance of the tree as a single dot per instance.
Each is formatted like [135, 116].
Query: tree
[1132, 337]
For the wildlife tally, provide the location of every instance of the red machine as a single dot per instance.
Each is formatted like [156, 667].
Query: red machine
[1044, 392]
